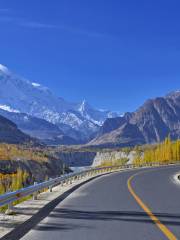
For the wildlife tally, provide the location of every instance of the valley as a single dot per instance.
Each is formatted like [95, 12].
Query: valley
[43, 136]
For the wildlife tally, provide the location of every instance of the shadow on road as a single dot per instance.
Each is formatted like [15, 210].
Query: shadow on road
[65, 218]
[25, 227]
[126, 216]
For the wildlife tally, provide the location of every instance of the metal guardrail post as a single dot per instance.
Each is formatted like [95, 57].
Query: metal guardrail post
[63, 182]
[50, 187]
[70, 180]
[10, 209]
[35, 193]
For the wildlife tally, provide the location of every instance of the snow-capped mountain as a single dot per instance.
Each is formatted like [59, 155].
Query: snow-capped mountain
[77, 120]
[96, 116]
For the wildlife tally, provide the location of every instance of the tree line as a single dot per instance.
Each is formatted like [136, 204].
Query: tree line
[16, 152]
[163, 152]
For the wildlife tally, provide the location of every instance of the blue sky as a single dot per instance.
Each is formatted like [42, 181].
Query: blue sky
[115, 54]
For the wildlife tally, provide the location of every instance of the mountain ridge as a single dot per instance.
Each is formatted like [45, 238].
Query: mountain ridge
[77, 120]
[154, 120]
[9, 133]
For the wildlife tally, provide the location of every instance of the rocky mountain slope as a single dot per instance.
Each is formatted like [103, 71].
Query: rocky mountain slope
[151, 123]
[9, 133]
[76, 120]
[41, 129]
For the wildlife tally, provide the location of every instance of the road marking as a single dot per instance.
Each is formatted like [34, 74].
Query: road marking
[160, 225]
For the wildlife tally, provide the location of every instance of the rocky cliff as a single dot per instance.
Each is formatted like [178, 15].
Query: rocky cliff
[93, 157]
[77, 158]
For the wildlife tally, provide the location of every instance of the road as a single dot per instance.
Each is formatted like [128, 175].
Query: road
[106, 208]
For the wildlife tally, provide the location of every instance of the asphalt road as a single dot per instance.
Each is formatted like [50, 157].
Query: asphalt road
[105, 209]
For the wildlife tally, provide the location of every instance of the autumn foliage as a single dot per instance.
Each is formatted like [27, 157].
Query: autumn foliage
[162, 153]
[14, 181]
[11, 181]
[15, 152]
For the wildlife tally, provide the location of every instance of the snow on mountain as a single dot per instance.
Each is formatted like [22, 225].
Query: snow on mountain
[8, 109]
[19, 94]
[4, 69]
[94, 115]
[173, 94]
[36, 84]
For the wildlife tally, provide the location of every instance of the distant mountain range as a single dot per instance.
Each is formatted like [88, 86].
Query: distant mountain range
[151, 123]
[41, 129]
[39, 113]
[35, 111]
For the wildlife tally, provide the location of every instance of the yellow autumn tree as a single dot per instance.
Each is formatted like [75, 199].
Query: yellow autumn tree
[164, 152]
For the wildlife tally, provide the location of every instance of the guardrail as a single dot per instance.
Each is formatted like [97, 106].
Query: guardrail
[9, 198]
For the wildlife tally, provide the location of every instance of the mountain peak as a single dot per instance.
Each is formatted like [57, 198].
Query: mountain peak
[173, 94]
[83, 106]
[84, 102]
[4, 69]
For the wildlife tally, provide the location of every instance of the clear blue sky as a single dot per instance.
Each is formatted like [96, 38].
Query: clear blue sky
[113, 53]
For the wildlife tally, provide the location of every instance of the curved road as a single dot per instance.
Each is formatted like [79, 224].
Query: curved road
[106, 208]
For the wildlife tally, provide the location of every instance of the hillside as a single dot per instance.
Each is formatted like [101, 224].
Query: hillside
[44, 131]
[9, 133]
[152, 122]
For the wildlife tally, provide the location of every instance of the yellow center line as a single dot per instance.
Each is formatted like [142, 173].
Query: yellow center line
[160, 225]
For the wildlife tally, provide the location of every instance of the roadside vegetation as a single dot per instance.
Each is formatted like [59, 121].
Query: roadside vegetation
[117, 162]
[164, 152]
[161, 153]
[11, 178]
[122, 160]
[13, 181]
[14, 174]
